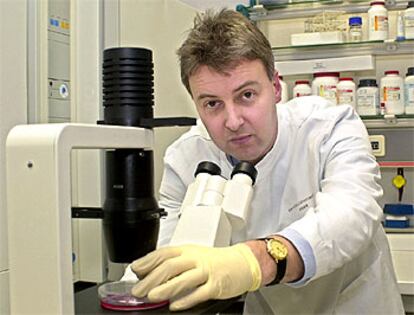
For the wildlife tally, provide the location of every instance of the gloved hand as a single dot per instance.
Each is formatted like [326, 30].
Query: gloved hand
[197, 274]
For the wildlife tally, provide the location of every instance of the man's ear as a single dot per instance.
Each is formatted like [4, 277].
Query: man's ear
[277, 87]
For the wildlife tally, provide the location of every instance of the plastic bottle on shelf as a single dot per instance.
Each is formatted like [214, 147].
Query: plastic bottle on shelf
[302, 88]
[392, 92]
[284, 91]
[409, 91]
[355, 29]
[400, 27]
[346, 92]
[367, 98]
[377, 21]
[324, 84]
[409, 21]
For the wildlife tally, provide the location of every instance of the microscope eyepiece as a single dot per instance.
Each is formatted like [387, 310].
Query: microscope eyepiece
[207, 167]
[245, 168]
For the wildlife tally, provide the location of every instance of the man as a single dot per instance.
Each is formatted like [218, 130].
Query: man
[313, 243]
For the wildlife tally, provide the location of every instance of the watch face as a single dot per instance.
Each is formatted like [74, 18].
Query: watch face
[277, 249]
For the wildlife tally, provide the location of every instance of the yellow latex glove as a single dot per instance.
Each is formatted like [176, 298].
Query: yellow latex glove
[197, 274]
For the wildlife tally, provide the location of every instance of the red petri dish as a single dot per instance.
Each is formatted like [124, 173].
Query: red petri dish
[117, 296]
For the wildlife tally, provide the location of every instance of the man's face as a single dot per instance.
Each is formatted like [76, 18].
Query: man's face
[238, 108]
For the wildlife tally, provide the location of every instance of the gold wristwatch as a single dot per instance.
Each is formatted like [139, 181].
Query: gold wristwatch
[279, 253]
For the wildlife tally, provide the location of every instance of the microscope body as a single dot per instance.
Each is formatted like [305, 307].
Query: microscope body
[39, 186]
[214, 207]
[39, 208]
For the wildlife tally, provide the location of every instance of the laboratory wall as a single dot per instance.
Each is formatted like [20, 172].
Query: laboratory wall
[90, 263]
[161, 26]
[12, 111]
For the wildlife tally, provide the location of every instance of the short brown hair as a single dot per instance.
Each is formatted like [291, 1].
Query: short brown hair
[221, 40]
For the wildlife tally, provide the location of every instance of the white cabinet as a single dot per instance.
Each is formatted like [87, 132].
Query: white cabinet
[402, 252]
[402, 249]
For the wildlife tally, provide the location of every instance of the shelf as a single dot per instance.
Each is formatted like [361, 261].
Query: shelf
[406, 287]
[310, 66]
[395, 164]
[298, 9]
[388, 121]
[375, 48]
[396, 230]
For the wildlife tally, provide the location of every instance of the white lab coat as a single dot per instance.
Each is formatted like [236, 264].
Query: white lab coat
[319, 179]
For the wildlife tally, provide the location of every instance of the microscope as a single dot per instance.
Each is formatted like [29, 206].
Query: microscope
[214, 207]
[39, 192]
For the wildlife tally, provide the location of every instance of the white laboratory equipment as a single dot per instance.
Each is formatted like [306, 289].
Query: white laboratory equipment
[38, 168]
[213, 207]
[38, 159]
[40, 246]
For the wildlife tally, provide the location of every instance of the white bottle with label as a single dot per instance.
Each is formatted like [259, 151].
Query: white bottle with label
[367, 98]
[392, 92]
[324, 84]
[284, 93]
[409, 91]
[346, 92]
[302, 88]
[377, 21]
[409, 21]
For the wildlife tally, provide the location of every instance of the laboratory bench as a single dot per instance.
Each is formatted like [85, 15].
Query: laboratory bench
[87, 302]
